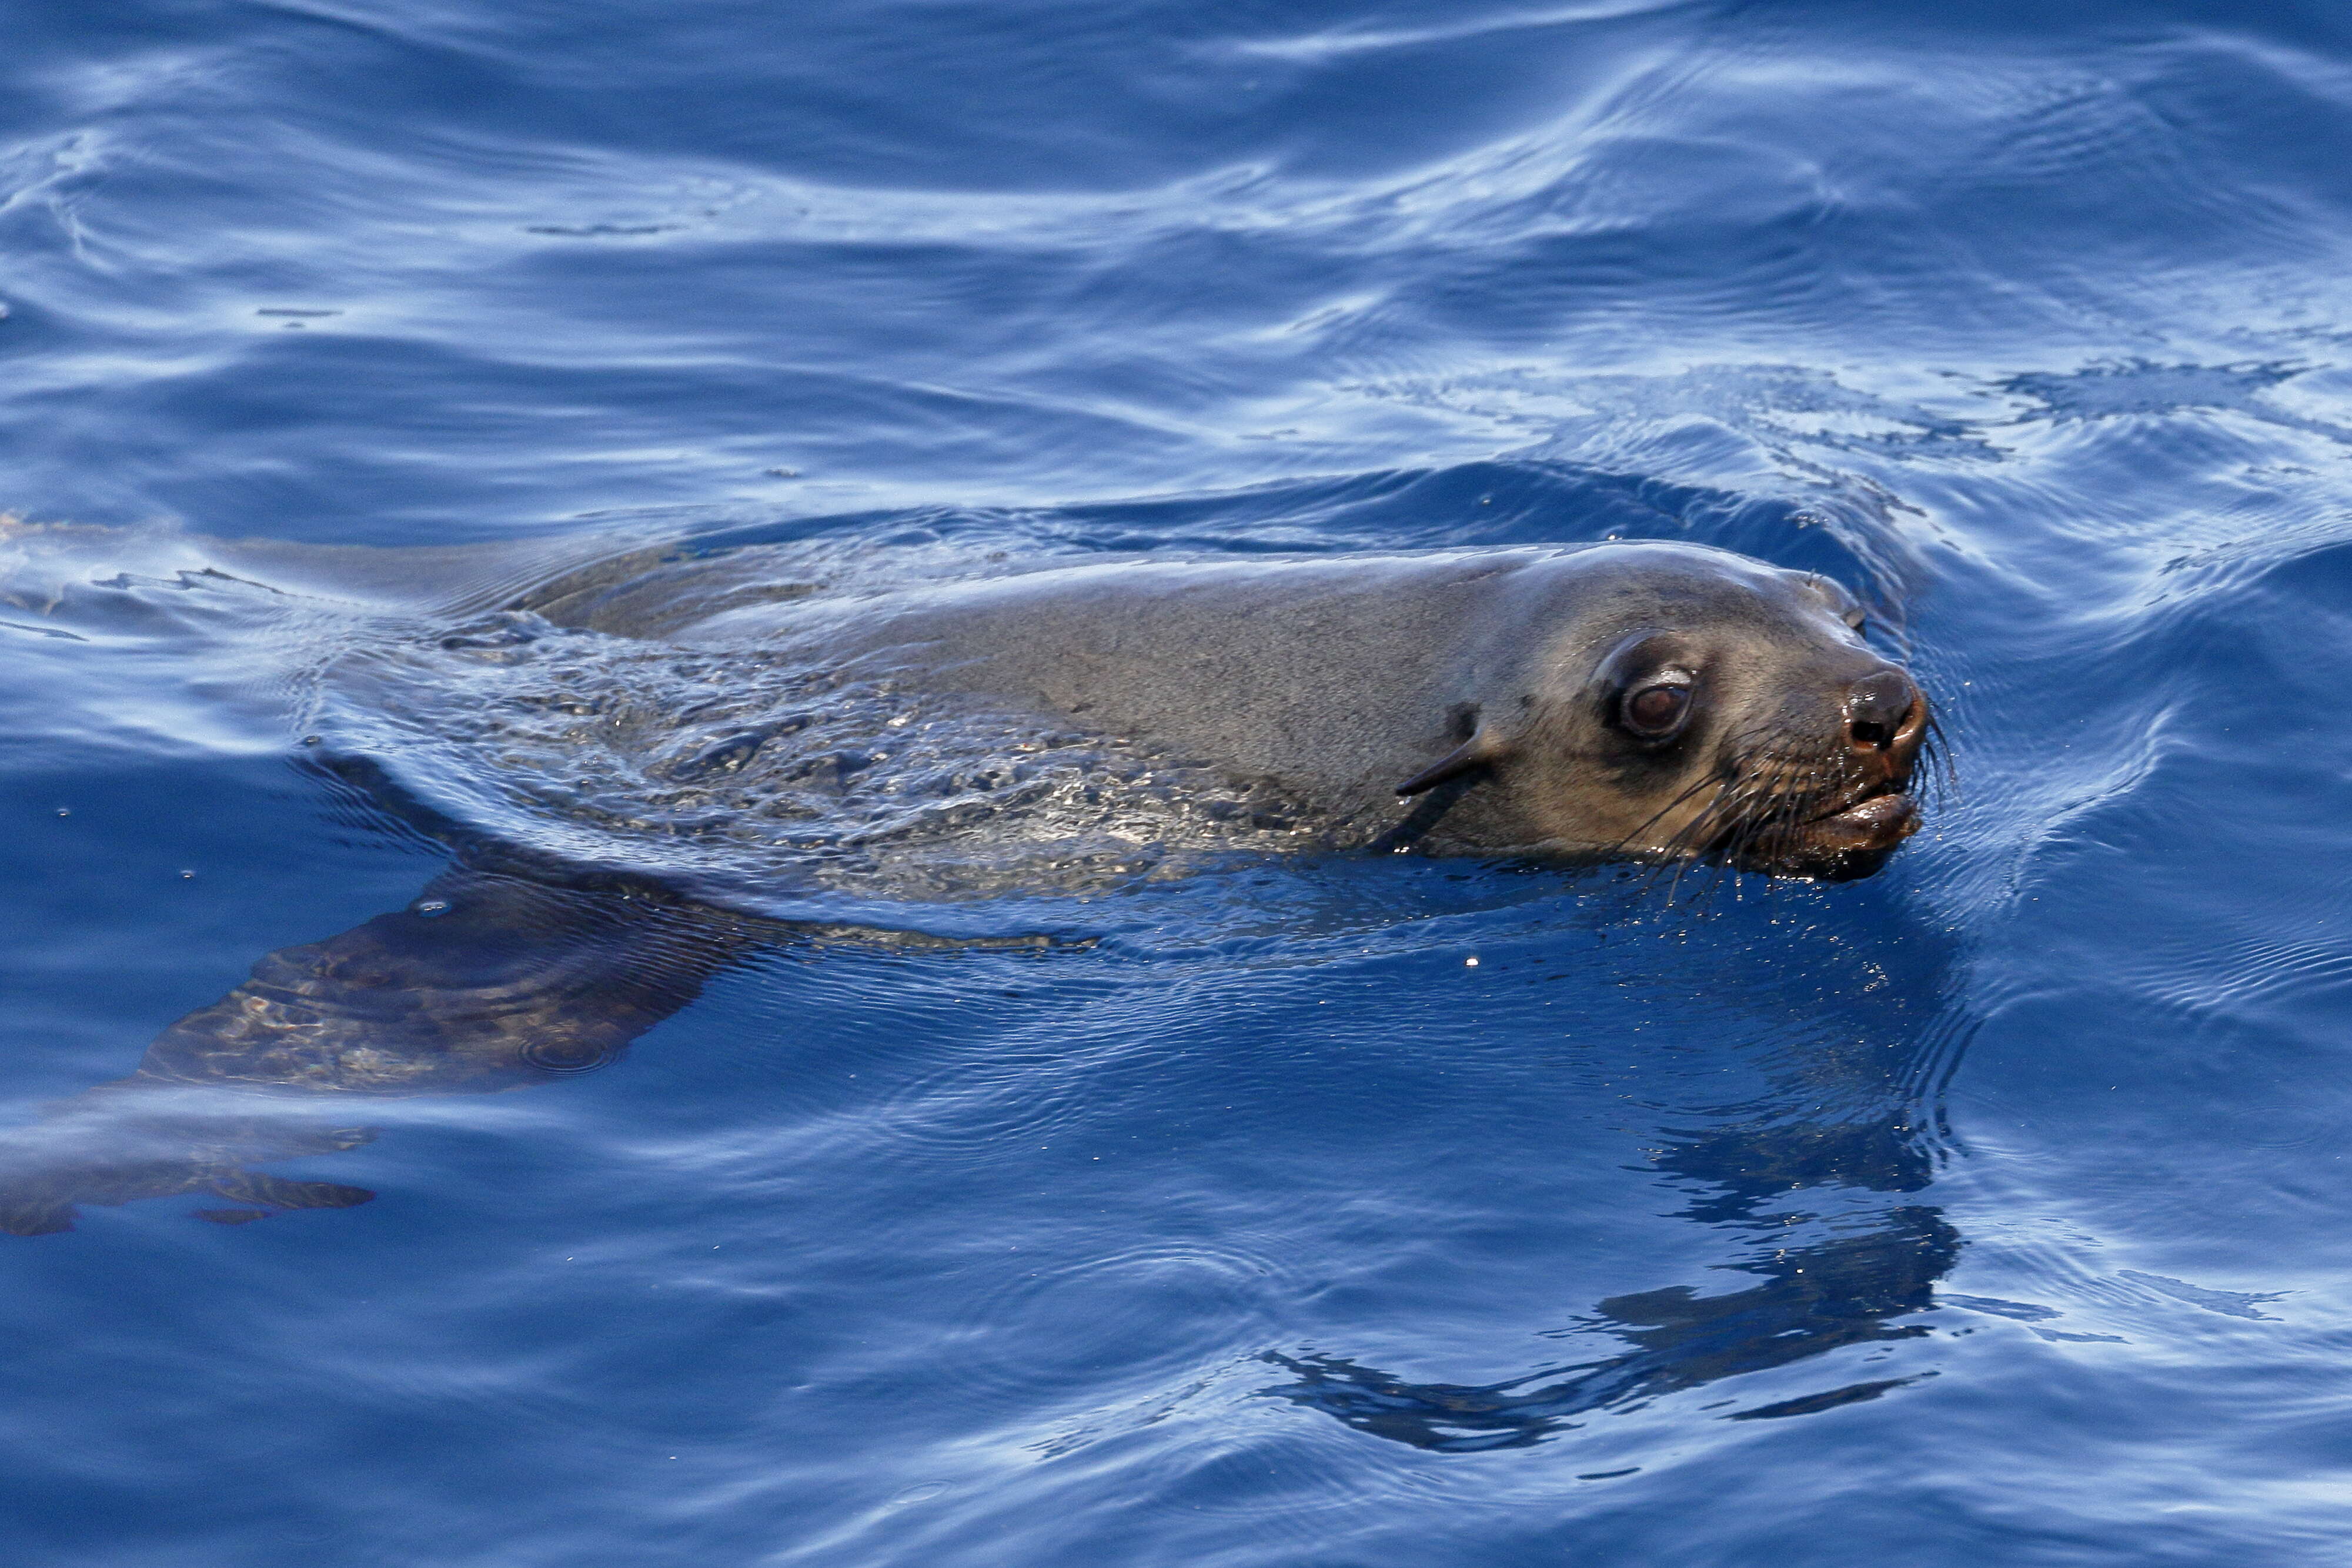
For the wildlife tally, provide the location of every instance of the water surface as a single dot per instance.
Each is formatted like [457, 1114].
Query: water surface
[1984, 1211]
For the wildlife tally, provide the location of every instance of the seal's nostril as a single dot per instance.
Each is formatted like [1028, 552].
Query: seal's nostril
[1876, 707]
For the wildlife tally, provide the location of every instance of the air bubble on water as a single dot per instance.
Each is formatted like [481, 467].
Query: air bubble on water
[65, 810]
[187, 875]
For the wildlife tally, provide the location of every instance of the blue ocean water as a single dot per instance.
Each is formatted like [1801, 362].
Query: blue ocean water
[1985, 1211]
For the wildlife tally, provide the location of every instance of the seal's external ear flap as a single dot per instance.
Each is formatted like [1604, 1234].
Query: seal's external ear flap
[1473, 753]
[1843, 603]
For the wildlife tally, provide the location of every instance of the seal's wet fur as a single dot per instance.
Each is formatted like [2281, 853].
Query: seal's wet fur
[1493, 682]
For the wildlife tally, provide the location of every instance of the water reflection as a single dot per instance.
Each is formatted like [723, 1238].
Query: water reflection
[1832, 1271]
[1811, 1299]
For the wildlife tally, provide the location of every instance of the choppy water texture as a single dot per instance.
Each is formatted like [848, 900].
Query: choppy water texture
[1210, 1209]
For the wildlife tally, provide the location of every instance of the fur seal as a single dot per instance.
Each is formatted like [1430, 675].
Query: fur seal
[1659, 701]
[1654, 700]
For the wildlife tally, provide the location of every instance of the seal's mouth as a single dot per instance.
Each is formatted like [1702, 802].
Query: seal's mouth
[1851, 840]
[1882, 818]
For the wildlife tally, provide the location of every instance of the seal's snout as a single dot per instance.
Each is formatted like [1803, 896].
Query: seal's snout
[1841, 816]
[1885, 719]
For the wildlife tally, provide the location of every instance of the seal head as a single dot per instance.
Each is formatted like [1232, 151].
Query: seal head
[1693, 703]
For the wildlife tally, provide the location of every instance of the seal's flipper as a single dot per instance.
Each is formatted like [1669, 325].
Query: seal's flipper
[484, 982]
[109, 1148]
[487, 980]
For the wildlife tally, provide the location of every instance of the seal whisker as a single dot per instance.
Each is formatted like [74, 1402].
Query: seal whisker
[1777, 796]
[1936, 766]
[1716, 828]
[1682, 848]
[1759, 781]
[1692, 839]
[1627, 841]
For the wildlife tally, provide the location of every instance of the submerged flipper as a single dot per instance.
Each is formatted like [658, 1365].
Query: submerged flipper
[487, 980]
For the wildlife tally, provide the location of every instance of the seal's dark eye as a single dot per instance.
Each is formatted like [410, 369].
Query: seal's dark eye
[1654, 710]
